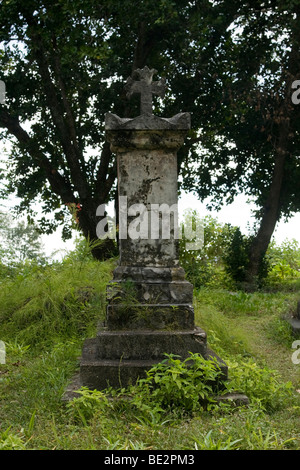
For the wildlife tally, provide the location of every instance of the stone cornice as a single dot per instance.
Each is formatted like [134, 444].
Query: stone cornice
[181, 121]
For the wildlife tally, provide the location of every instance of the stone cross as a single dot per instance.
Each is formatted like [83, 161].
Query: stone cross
[145, 87]
[150, 303]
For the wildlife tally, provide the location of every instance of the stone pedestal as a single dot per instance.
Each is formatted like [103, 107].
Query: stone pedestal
[150, 303]
[294, 321]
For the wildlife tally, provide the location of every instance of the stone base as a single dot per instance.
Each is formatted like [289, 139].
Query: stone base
[119, 358]
[236, 399]
[155, 298]
[101, 374]
[144, 344]
[294, 323]
[149, 314]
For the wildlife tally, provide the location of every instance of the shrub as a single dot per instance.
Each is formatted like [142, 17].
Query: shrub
[90, 402]
[177, 385]
[236, 260]
[284, 261]
[204, 265]
[11, 441]
[261, 384]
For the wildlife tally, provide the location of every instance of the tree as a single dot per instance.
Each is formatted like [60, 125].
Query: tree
[211, 242]
[255, 147]
[19, 242]
[230, 63]
[64, 65]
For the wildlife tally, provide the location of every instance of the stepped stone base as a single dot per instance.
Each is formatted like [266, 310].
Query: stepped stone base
[120, 358]
[154, 298]
[149, 314]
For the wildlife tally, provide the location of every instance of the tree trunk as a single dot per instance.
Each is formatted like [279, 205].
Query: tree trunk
[271, 210]
[284, 119]
[87, 221]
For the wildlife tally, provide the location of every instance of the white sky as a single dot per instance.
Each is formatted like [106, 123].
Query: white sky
[239, 214]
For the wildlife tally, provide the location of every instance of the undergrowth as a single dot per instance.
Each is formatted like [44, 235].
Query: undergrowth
[47, 312]
[45, 304]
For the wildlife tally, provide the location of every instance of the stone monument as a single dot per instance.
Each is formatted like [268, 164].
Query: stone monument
[150, 303]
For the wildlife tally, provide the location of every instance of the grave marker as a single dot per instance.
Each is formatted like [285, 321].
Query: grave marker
[150, 303]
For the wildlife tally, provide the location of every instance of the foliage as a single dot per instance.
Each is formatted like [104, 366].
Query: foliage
[203, 265]
[172, 408]
[230, 63]
[64, 299]
[87, 404]
[180, 385]
[83, 249]
[175, 388]
[207, 442]
[11, 441]
[284, 261]
[237, 258]
[254, 147]
[222, 252]
[20, 242]
[65, 65]
[254, 93]
[261, 384]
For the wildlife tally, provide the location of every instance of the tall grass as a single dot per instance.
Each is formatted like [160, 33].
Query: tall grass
[58, 301]
[47, 312]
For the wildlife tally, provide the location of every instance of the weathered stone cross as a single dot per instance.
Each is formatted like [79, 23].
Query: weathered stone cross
[145, 87]
[150, 303]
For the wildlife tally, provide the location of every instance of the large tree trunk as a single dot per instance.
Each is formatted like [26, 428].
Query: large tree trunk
[268, 222]
[88, 220]
[271, 210]
[284, 120]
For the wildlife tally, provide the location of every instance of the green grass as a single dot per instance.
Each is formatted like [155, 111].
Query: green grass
[60, 301]
[45, 315]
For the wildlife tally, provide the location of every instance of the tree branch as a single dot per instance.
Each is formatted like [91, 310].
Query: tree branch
[68, 144]
[57, 182]
[66, 128]
[70, 121]
[105, 176]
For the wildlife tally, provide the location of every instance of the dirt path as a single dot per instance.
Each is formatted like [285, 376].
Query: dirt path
[275, 355]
